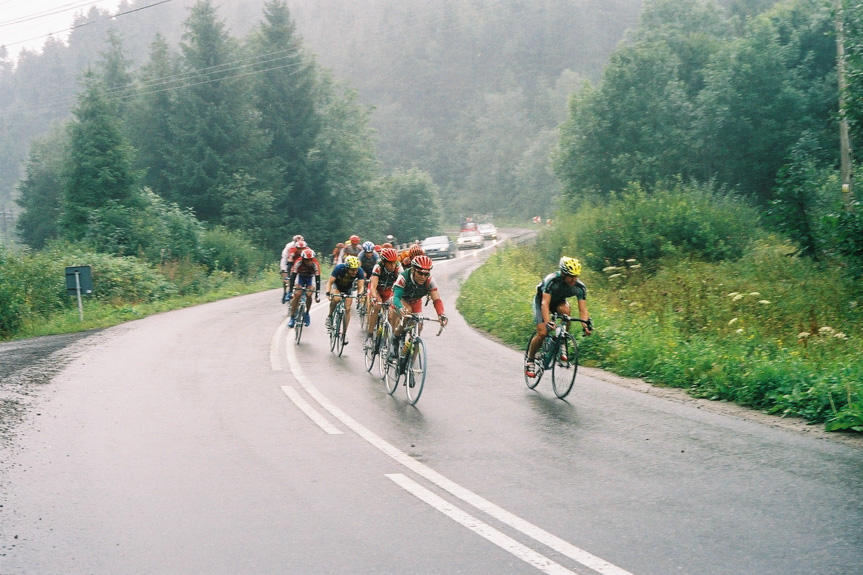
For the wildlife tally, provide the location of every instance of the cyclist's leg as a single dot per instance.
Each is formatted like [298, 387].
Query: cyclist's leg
[348, 302]
[541, 330]
[374, 310]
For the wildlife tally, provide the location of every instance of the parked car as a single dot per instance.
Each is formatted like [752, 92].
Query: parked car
[488, 231]
[469, 239]
[439, 247]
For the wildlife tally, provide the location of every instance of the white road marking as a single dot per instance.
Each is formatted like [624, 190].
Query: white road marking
[536, 533]
[505, 542]
[306, 408]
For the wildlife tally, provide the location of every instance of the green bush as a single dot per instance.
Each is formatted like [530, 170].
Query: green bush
[230, 251]
[682, 220]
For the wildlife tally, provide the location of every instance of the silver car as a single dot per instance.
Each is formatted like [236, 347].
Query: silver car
[488, 231]
[439, 247]
[469, 239]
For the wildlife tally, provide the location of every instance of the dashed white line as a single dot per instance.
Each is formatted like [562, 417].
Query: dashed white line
[505, 542]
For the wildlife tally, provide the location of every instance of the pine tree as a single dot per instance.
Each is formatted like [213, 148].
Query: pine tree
[98, 170]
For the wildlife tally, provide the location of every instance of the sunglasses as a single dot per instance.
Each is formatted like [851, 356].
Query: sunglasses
[422, 273]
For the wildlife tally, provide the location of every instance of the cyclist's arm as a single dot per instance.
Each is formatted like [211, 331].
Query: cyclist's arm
[360, 285]
[398, 292]
[330, 283]
[582, 313]
[293, 279]
[438, 305]
[373, 288]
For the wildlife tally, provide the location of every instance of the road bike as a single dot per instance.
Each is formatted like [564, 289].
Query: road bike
[299, 314]
[362, 311]
[338, 329]
[559, 353]
[376, 343]
[406, 363]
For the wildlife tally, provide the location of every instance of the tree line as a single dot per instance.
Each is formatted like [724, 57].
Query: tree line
[748, 106]
[250, 135]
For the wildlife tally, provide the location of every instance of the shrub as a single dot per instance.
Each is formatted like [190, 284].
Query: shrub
[230, 251]
[683, 220]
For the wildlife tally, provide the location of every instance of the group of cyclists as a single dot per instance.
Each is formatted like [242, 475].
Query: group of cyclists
[380, 273]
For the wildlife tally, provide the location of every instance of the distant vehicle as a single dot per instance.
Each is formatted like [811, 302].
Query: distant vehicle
[439, 247]
[469, 239]
[488, 231]
[468, 226]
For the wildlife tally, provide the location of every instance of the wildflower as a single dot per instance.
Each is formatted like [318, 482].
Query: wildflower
[614, 276]
[754, 294]
[631, 261]
[764, 302]
[609, 269]
[635, 304]
[803, 335]
[738, 297]
[826, 330]
[733, 321]
[734, 294]
[740, 330]
[634, 266]
[840, 335]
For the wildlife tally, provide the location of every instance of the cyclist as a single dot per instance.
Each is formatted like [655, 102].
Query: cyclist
[284, 266]
[341, 284]
[411, 286]
[304, 269]
[334, 257]
[384, 275]
[368, 258]
[407, 256]
[352, 248]
[551, 294]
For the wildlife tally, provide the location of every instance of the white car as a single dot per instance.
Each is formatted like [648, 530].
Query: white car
[469, 239]
[488, 231]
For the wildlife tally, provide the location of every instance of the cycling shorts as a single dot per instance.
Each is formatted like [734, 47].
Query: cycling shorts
[415, 305]
[345, 291]
[304, 281]
[537, 308]
[386, 294]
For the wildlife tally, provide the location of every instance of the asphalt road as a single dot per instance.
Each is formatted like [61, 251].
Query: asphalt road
[205, 441]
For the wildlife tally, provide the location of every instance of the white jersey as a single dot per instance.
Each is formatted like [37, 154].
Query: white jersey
[283, 263]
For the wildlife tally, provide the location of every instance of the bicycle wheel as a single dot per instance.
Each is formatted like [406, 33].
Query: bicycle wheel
[532, 382]
[336, 328]
[391, 370]
[341, 334]
[299, 319]
[362, 312]
[369, 349]
[563, 370]
[416, 371]
[384, 353]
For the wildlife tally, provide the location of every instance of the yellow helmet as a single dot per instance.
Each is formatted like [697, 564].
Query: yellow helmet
[353, 262]
[570, 266]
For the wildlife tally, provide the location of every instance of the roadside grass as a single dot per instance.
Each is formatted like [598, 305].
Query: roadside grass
[770, 331]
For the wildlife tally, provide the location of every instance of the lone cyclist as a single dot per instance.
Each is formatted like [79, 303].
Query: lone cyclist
[305, 269]
[551, 294]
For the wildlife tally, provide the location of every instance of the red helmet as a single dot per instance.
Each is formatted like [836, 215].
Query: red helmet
[389, 254]
[308, 254]
[378, 248]
[415, 251]
[301, 245]
[422, 263]
[386, 245]
[340, 245]
[355, 239]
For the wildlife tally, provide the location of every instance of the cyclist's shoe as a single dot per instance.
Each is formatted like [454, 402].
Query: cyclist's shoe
[563, 357]
[291, 322]
[530, 368]
[285, 298]
[329, 322]
[307, 320]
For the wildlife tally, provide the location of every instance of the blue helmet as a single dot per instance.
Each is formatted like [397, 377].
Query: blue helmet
[368, 247]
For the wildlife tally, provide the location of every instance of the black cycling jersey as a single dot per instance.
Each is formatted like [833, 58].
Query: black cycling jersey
[555, 285]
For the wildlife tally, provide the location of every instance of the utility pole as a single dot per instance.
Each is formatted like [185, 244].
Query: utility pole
[844, 139]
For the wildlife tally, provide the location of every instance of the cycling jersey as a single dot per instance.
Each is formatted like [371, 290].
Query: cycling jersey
[386, 279]
[408, 290]
[555, 285]
[306, 270]
[343, 280]
[368, 262]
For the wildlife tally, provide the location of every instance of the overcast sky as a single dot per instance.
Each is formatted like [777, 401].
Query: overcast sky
[27, 23]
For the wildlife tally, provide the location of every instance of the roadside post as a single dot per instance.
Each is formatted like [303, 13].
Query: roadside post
[79, 279]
